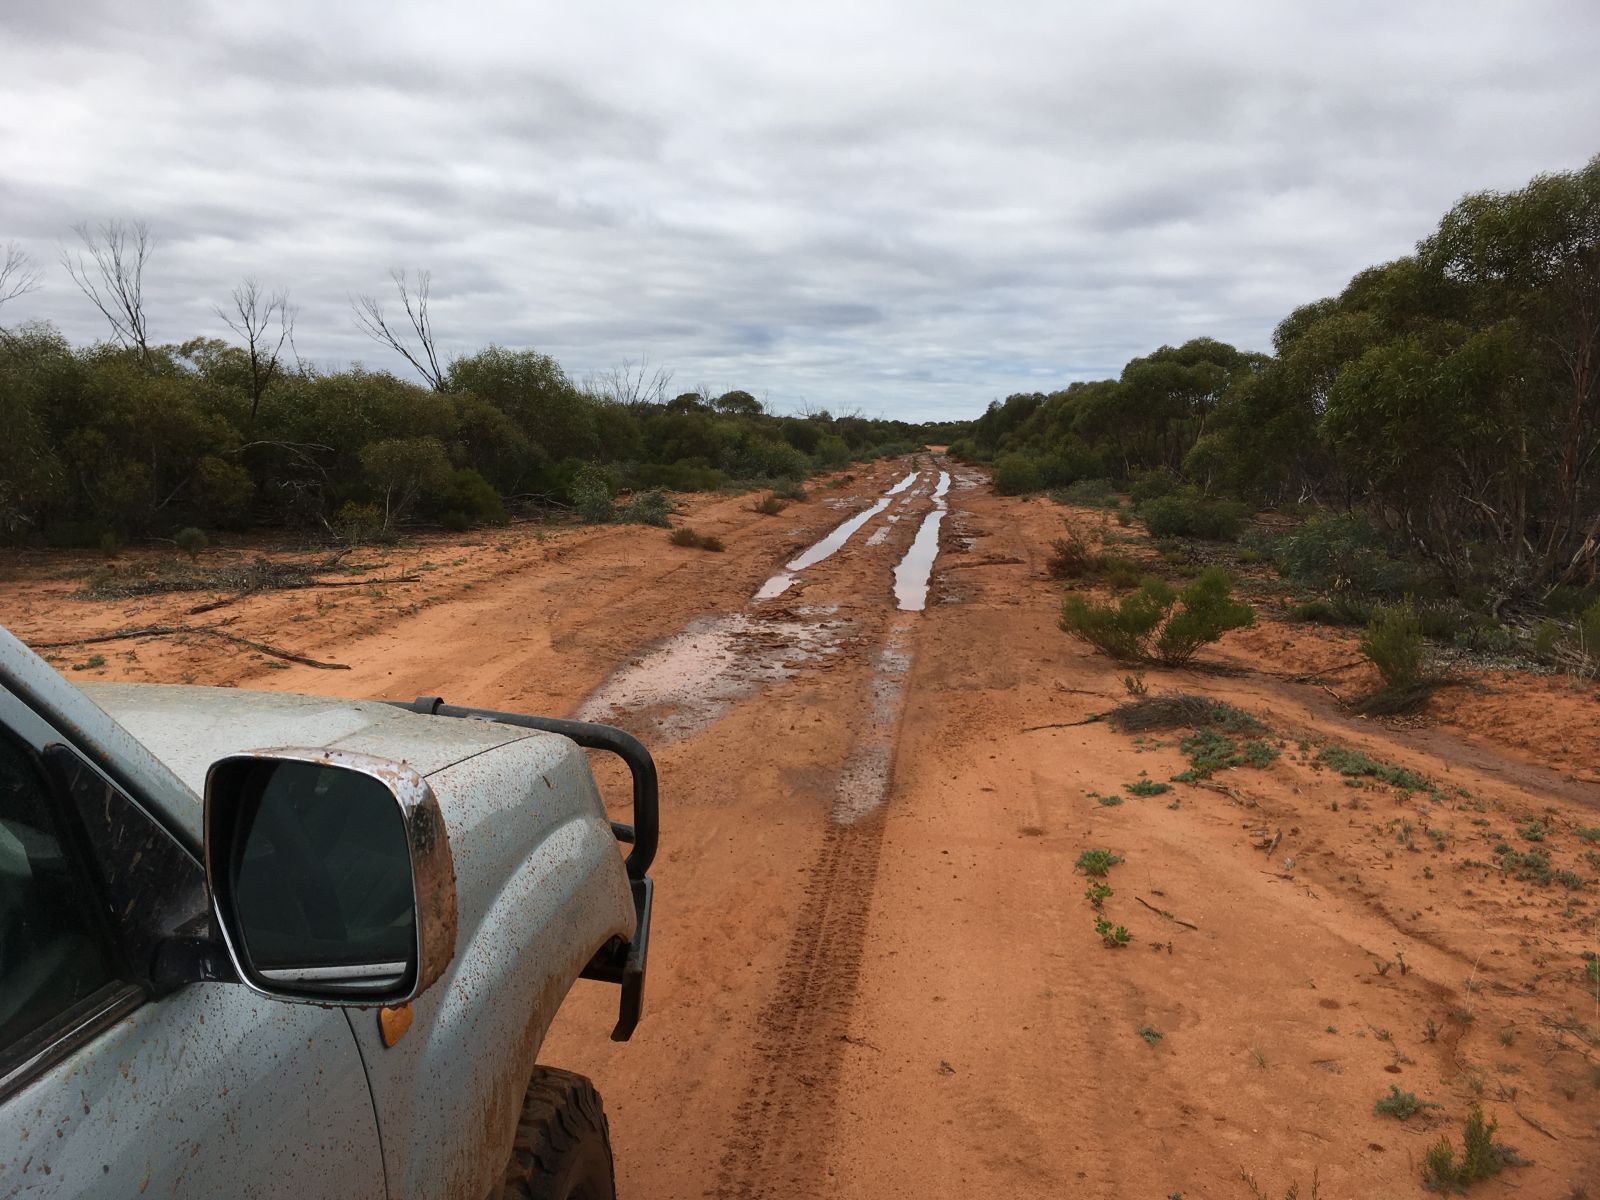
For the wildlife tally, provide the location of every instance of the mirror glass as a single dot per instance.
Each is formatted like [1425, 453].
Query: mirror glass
[322, 892]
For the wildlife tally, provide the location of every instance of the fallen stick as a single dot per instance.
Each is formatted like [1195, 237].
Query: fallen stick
[1089, 720]
[207, 630]
[1161, 912]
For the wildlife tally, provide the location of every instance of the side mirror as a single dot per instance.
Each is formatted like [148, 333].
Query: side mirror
[331, 875]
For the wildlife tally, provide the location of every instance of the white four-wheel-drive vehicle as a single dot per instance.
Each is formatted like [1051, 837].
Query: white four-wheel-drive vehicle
[262, 945]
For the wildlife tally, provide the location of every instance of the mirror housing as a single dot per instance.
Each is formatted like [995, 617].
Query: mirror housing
[330, 875]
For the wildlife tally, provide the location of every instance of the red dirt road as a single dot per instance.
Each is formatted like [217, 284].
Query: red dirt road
[875, 972]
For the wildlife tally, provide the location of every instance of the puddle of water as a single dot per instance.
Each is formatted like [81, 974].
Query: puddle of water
[880, 535]
[912, 573]
[776, 586]
[903, 484]
[836, 539]
[691, 680]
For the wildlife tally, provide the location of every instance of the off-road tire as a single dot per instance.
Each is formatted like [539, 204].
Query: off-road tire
[562, 1149]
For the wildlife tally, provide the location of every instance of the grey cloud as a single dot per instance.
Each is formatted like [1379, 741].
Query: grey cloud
[906, 208]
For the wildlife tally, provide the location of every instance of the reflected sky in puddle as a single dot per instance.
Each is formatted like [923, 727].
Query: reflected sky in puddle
[912, 573]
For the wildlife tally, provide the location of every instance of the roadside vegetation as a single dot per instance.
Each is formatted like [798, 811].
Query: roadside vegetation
[129, 440]
[1427, 443]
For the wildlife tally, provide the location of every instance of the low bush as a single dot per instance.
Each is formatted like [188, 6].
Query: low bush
[1187, 513]
[1149, 485]
[1091, 493]
[191, 541]
[1016, 475]
[1480, 1157]
[1345, 554]
[1069, 557]
[1401, 1105]
[769, 506]
[684, 536]
[1156, 623]
[645, 508]
[790, 490]
[1393, 644]
[1353, 764]
[1097, 863]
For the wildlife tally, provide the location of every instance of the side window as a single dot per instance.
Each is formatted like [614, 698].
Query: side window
[54, 951]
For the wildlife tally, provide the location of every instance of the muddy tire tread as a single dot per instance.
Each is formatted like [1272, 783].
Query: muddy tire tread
[560, 1110]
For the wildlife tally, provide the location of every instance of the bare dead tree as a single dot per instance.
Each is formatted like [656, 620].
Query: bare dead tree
[265, 322]
[632, 384]
[112, 277]
[425, 356]
[19, 274]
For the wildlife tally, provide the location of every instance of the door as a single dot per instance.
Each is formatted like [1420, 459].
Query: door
[107, 1090]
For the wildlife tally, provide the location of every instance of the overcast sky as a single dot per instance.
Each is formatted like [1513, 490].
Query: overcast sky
[907, 208]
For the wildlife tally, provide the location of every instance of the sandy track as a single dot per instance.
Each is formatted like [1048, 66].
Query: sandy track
[875, 973]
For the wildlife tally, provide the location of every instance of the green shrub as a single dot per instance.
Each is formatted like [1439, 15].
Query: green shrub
[1113, 937]
[1587, 633]
[471, 500]
[768, 506]
[1480, 1157]
[590, 493]
[1546, 638]
[356, 522]
[1401, 1105]
[1189, 514]
[1156, 623]
[1345, 554]
[789, 490]
[191, 541]
[1097, 863]
[1069, 557]
[1016, 475]
[645, 508]
[1147, 787]
[1149, 485]
[1124, 515]
[1393, 644]
[1091, 493]
[1354, 765]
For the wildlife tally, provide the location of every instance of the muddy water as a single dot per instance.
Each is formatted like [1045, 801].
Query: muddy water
[829, 545]
[688, 682]
[912, 573]
[903, 484]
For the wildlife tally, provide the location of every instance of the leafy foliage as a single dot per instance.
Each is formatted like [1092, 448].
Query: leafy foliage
[1097, 863]
[1156, 623]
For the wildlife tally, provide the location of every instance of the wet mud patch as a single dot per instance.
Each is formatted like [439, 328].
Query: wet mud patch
[687, 683]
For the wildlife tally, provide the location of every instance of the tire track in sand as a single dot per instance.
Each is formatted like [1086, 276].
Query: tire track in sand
[785, 1121]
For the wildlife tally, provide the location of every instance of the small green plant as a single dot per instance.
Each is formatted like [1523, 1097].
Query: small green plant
[1097, 893]
[1150, 1034]
[1393, 644]
[1107, 801]
[769, 505]
[789, 490]
[1113, 937]
[1533, 831]
[1480, 1157]
[1097, 863]
[1355, 765]
[1156, 623]
[93, 662]
[1147, 787]
[192, 541]
[1401, 1105]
